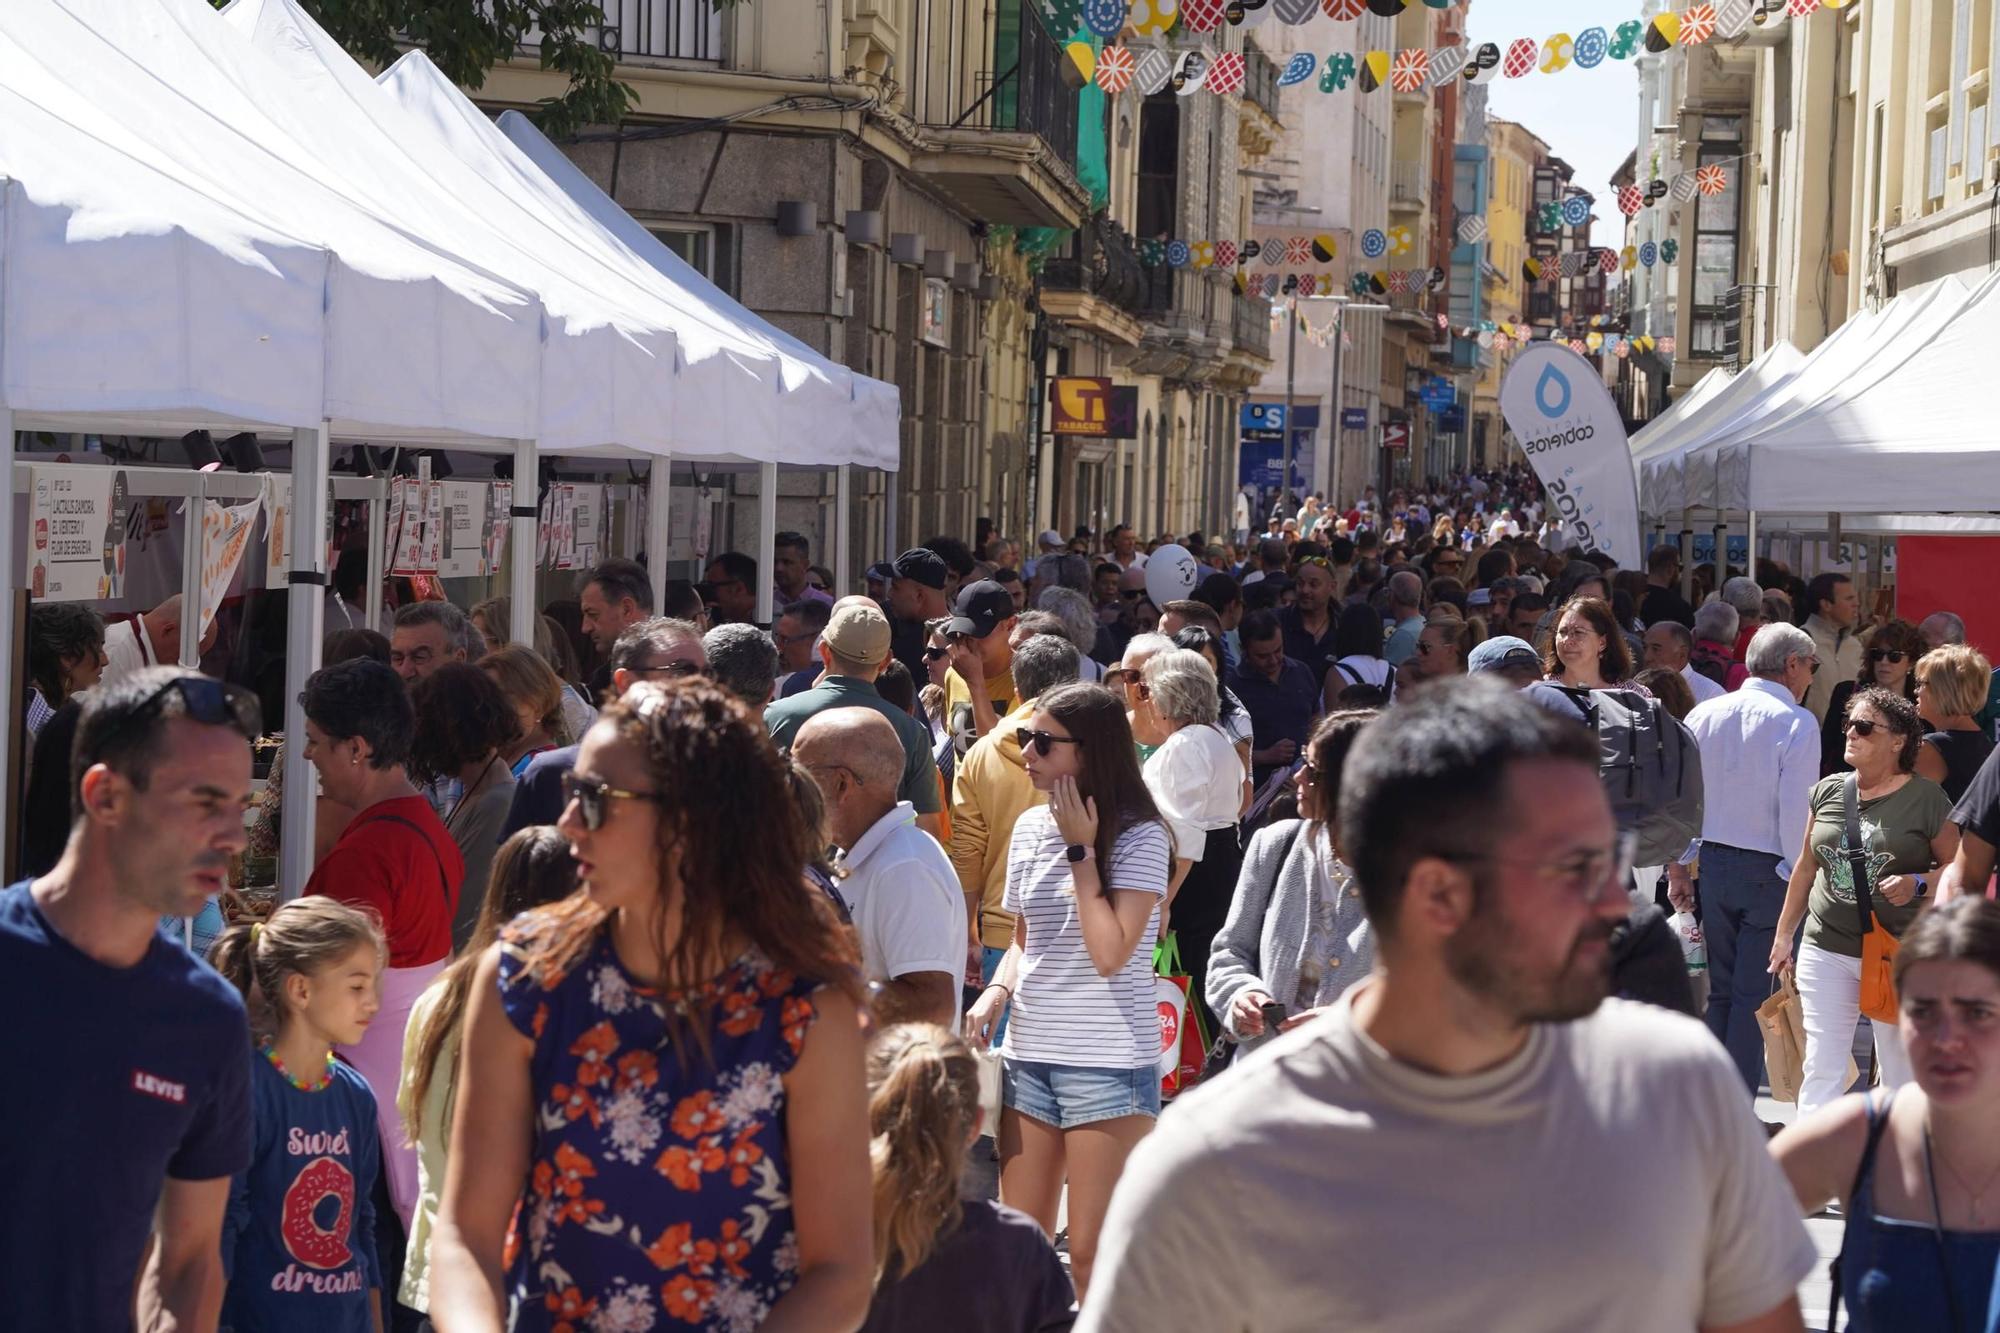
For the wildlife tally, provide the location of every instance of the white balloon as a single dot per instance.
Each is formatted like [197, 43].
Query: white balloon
[1171, 573]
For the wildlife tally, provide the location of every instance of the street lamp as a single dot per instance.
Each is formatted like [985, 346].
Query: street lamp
[1346, 305]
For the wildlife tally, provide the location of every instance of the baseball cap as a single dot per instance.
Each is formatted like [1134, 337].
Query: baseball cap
[1479, 597]
[1050, 540]
[923, 565]
[858, 631]
[1500, 652]
[981, 606]
[881, 571]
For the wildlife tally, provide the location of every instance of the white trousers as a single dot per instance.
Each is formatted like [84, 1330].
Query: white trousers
[1830, 993]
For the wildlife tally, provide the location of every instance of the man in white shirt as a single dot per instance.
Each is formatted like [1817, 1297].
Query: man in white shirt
[1759, 760]
[1670, 644]
[898, 884]
[1568, 1162]
[1125, 549]
[152, 639]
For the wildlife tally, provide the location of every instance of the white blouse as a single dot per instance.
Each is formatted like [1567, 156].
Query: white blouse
[1197, 782]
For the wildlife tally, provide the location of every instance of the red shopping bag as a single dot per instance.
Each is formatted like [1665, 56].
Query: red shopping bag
[1183, 1043]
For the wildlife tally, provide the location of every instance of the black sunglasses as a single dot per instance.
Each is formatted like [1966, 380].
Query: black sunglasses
[590, 795]
[1895, 655]
[677, 670]
[935, 654]
[211, 702]
[1045, 741]
[1861, 726]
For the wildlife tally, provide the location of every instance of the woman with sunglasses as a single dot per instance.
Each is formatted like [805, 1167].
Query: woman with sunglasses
[1952, 682]
[1915, 1169]
[623, 1151]
[1086, 875]
[1890, 663]
[1908, 835]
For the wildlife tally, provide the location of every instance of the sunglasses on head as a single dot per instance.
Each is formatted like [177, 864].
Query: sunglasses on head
[211, 702]
[1045, 741]
[591, 797]
[1895, 655]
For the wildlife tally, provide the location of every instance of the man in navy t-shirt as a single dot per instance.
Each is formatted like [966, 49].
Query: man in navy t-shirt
[138, 1101]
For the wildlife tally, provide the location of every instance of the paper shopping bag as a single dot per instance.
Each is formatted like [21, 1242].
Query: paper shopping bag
[1782, 1022]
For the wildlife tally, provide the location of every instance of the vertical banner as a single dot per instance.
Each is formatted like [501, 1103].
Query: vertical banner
[499, 523]
[225, 535]
[467, 517]
[1563, 418]
[76, 534]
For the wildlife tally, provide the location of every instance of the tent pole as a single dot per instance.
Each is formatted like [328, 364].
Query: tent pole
[378, 524]
[193, 595]
[659, 499]
[1686, 545]
[889, 514]
[1751, 570]
[525, 513]
[306, 596]
[1721, 548]
[843, 528]
[11, 822]
[767, 538]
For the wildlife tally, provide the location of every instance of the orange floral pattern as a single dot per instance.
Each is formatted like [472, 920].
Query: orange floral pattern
[659, 1189]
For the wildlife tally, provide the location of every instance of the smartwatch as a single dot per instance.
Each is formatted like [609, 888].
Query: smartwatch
[1077, 851]
[1922, 888]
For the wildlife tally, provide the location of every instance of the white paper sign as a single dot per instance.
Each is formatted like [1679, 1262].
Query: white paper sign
[1563, 418]
[586, 525]
[76, 534]
[499, 524]
[465, 518]
[278, 529]
[431, 550]
[225, 535]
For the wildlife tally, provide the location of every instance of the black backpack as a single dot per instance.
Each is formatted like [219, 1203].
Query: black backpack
[1649, 763]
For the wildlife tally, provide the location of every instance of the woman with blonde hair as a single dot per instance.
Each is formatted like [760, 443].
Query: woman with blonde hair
[535, 693]
[493, 619]
[973, 1265]
[1951, 686]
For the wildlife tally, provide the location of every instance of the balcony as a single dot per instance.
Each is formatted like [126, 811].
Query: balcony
[1009, 156]
[1187, 325]
[1096, 284]
[1407, 185]
[636, 31]
[1259, 126]
[1250, 342]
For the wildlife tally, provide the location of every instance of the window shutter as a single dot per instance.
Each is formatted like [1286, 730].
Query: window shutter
[1961, 44]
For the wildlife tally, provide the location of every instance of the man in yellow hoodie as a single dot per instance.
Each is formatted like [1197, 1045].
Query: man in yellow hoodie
[989, 791]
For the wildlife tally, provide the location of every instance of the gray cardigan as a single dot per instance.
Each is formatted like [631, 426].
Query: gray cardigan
[1259, 944]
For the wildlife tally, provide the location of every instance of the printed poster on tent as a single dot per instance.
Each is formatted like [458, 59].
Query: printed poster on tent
[466, 516]
[499, 523]
[1564, 420]
[76, 534]
[225, 535]
[586, 525]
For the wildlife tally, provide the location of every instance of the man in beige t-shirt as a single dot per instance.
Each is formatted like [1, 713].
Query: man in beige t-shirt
[1473, 1138]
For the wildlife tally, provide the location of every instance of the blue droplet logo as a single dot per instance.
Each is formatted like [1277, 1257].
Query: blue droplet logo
[1552, 392]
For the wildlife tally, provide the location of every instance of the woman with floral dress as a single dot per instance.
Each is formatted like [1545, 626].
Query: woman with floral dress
[632, 1055]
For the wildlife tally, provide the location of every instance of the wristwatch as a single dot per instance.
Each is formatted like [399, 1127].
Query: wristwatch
[1077, 851]
[1921, 886]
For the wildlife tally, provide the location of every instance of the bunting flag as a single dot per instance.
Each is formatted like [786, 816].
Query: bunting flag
[1697, 24]
[1472, 230]
[1576, 210]
[1374, 71]
[1106, 18]
[1298, 69]
[1298, 250]
[1609, 263]
[1344, 10]
[1401, 242]
[1115, 67]
[1323, 247]
[1225, 74]
[1411, 69]
[1294, 12]
[1667, 345]
[1649, 254]
[1152, 18]
[1732, 18]
[1201, 15]
[1374, 244]
[1591, 46]
[1557, 52]
[1520, 58]
[1190, 69]
[1799, 9]
[1225, 254]
[1629, 199]
[1711, 180]
[1153, 72]
[1670, 250]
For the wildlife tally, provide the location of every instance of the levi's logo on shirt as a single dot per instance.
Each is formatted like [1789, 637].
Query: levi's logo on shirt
[155, 1086]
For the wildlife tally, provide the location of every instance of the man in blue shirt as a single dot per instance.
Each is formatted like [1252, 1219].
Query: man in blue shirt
[1280, 692]
[144, 1048]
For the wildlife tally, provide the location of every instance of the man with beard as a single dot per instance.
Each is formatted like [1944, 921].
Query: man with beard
[1568, 1161]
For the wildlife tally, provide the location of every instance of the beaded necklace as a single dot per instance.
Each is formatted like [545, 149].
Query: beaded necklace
[270, 1052]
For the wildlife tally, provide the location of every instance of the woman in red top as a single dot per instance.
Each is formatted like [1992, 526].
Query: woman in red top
[395, 858]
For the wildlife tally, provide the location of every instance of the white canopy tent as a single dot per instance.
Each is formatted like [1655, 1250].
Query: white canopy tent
[1720, 410]
[1656, 436]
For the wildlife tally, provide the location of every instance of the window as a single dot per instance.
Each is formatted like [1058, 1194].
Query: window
[701, 246]
[1159, 164]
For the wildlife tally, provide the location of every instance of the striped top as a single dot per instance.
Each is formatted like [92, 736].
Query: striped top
[1063, 1012]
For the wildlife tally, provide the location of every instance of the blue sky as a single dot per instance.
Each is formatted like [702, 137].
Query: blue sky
[1588, 116]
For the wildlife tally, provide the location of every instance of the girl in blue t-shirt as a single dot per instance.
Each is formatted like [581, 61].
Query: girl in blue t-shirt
[298, 1241]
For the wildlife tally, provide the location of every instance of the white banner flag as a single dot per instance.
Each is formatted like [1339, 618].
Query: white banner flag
[225, 534]
[1563, 418]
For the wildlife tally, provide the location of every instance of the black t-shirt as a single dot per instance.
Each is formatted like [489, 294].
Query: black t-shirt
[907, 641]
[1978, 812]
[995, 1273]
[1317, 654]
[1665, 604]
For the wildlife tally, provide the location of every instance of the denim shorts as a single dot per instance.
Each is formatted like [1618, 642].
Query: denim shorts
[1068, 1096]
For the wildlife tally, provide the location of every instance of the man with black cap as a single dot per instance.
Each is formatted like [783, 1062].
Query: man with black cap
[853, 649]
[978, 689]
[916, 597]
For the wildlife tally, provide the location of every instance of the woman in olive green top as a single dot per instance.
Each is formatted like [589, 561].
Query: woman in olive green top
[1905, 826]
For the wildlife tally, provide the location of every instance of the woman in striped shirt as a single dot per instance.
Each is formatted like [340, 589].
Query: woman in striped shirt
[1086, 875]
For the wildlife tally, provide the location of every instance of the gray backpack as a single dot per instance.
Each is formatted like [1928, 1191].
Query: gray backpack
[1648, 761]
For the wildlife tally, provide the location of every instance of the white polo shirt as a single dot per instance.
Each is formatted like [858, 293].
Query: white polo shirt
[904, 896]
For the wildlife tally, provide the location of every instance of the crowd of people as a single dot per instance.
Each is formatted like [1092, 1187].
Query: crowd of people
[672, 971]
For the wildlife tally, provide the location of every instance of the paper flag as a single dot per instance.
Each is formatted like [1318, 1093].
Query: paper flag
[1557, 52]
[1294, 12]
[1410, 70]
[1628, 258]
[1625, 41]
[1572, 263]
[1337, 72]
[1591, 45]
[1444, 322]
[1711, 180]
[1178, 254]
[1520, 57]
[1152, 18]
[1343, 10]
[1190, 69]
[1732, 18]
[1472, 230]
[1681, 188]
[1531, 269]
[1202, 254]
[1373, 243]
[1298, 250]
[1485, 338]
[1225, 254]
[1446, 64]
[1201, 15]
[1084, 56]
[1298, 69]
[1104, 17]
[1663, 32]
[1549, 216]
[1655, 189]
[1609, 262]
[1246, 13]
[1323, 247]
[1225, 74]
[1436, 281]
[1153, 73]
[1649, 254]
[1308, 284]
[1358, 284]
[1670, 250]
[1667, 345]
[1799, 9]
[1697, 24]
[1576, 210]
[1374, 71]
[1388, 9]
[1484, 63]
[1059, 18]
[1152, 253]
[1114, 69]
[1629, 199]
[1273, 253]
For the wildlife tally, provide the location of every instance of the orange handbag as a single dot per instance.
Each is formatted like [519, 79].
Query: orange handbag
[1878, 946]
